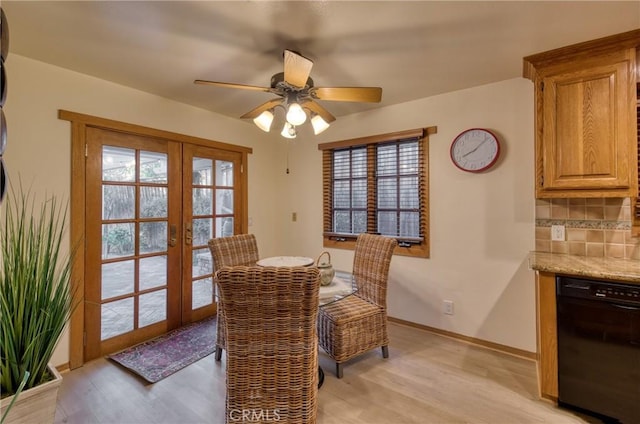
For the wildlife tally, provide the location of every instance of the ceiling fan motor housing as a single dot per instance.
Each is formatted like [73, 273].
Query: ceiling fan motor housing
[278, 82]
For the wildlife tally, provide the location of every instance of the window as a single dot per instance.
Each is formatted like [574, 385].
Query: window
[378, 185]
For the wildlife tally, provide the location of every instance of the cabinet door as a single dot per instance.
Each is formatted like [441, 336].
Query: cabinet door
[586, 141]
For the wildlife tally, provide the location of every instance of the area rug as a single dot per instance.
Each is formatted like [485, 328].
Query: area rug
[164, 355]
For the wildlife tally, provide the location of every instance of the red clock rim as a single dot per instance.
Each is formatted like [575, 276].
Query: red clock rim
[479, 170]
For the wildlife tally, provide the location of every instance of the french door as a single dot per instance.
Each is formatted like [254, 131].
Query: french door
[211, 182]
[152, 204]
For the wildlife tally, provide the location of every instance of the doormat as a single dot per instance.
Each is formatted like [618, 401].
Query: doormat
[158, 358]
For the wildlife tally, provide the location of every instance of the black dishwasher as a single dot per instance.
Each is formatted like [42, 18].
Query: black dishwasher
[599, 347]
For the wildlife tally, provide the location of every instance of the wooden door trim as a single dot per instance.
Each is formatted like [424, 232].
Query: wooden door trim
[79, 124]
[77, 226]
[109, 124]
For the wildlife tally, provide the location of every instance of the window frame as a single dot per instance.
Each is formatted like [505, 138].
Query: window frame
[407, 246]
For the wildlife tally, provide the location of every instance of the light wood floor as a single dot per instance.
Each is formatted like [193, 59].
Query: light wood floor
[428, 379]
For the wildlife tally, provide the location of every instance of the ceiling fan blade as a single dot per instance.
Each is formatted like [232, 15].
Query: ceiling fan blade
[231, 85]
[347, 94]
[296, 69]
[315, 107]
[265, 106]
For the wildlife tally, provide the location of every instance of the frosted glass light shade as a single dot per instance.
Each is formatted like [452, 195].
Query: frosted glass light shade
[288, 131]
[264, 120]
[296, 115]
[318, 124]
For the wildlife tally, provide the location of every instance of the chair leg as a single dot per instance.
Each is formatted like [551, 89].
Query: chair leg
[338, 370]
[320, 376]
[385, 351]
[218, 353]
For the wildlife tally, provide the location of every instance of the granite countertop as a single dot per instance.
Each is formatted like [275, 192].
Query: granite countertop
[627, 270]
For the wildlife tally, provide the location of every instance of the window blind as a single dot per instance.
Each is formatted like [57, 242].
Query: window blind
[377, 185]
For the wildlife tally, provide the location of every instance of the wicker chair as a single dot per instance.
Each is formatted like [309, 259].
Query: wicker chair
[238, 250]
[358, 323]
[272, 344]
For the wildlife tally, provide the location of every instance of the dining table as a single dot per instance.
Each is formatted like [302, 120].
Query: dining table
[286, 261]
[340, 286]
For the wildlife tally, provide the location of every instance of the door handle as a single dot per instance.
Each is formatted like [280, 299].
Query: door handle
[188, 234]
[173, 236]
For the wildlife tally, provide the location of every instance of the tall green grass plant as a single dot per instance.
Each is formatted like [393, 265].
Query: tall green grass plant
[36, 297]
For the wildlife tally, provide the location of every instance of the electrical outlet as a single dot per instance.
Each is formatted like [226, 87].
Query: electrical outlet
[447, 307]
[294, 216]
[557, 233]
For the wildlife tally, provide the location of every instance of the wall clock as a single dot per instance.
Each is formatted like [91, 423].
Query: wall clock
[475, 150]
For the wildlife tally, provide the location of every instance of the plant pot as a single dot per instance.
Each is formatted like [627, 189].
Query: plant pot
[35, 405]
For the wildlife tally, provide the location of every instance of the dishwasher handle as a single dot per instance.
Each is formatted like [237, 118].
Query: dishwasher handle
[629, 308]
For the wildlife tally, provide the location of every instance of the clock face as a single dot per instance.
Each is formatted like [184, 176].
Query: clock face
[475, 150]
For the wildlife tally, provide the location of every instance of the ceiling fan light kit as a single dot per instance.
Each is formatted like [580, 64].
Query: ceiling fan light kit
[318, 124]
[289, 131]
[298, 97]
[295, 115]
[264, 120]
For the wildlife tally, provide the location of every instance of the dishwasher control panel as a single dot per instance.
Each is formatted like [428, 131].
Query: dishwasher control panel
[621, 293]
[595, 289]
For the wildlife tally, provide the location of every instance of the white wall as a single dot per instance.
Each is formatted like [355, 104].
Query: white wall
[482, 225]
[38, 148]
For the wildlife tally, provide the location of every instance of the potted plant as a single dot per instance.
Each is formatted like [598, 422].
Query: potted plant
[36, 301]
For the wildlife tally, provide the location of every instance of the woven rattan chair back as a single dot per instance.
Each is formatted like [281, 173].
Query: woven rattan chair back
[272, 350]
[238, 250]
[241, 249]
[371, 261]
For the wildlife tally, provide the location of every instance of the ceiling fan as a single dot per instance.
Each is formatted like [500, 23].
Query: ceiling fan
[296, 93]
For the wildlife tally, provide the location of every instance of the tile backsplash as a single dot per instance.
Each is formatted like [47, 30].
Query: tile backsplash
[593, 227]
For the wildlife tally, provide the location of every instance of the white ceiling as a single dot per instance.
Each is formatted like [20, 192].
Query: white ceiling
[411, 49]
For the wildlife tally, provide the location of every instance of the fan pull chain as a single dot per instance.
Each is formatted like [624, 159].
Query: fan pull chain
[288, 146]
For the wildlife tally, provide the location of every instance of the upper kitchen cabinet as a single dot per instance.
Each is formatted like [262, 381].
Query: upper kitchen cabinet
[585, 106]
